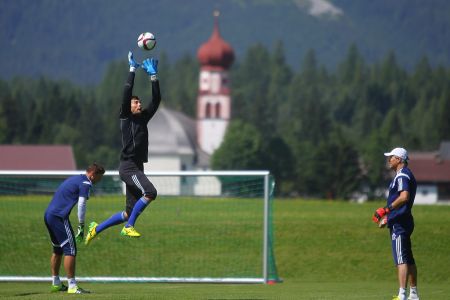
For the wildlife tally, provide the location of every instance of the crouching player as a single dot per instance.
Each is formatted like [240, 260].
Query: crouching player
[74, 189]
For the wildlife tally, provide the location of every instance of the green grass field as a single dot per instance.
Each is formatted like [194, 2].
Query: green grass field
[323, 250]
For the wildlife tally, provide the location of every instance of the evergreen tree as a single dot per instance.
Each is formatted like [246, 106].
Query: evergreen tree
[241, 148]
[374, 171]
[250, 89]
[280, 78]
[444, 115]
[182, 83]
[337, 166]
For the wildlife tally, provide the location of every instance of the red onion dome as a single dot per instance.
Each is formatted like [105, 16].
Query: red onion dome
[216, 52]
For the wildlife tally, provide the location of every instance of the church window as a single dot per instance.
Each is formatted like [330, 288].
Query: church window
[208, 110]
[218, 112]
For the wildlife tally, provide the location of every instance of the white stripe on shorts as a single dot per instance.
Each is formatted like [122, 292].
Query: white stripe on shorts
[70, 237]
[398, 249]
[137, 183]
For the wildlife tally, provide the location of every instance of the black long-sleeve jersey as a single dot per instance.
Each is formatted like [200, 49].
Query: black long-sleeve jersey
[134, 127]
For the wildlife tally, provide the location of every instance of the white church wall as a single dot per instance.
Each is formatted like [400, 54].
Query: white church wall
[212, 133]
[164, 185]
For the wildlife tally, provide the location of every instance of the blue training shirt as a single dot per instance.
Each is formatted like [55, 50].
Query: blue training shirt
[404, 181]
[66, 196]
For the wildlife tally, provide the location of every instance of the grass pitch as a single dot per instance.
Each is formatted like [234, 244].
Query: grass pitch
[290, 289]
[323, 250]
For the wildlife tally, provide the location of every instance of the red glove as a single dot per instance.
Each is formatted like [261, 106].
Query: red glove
[380, 213]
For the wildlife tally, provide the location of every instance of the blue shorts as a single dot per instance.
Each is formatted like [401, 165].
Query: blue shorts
[61, 234]
[401, 246]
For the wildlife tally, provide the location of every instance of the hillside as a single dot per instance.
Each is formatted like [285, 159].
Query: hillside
[75, 40]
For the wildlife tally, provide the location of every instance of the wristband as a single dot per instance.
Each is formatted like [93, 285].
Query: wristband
[153, 77]
[389, 208]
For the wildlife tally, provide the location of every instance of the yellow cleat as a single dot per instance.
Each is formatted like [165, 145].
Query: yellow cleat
[58, 288]
[92, 233]
[130, 231]
[77, 290]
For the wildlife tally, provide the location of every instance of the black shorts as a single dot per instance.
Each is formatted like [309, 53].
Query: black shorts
[137, 184]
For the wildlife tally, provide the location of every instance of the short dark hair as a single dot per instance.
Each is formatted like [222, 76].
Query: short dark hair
[135, 97]
[96, 168]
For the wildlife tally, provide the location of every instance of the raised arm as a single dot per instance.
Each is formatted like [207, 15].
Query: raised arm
[125, 109]
[150, 66]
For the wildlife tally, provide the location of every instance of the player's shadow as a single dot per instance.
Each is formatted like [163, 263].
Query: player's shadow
[27, 294]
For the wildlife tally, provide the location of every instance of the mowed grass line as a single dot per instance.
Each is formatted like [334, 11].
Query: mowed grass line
[324, 250]
[289, 289]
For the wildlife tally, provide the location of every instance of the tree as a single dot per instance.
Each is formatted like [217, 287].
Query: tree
[278, 159]
[182, 86]
[373, 163]
[4, 93]
[306, 116]
[352, 71]
[280, 78]
[250, 88]
[2, 125]
[240, 149]
[336, 166]
[444, 115]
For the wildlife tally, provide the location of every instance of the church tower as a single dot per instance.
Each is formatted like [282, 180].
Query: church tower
[214, 100]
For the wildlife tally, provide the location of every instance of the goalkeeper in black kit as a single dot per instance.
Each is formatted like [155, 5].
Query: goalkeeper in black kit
[133, 125]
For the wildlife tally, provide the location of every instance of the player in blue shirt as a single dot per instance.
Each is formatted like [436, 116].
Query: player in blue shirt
[73, 190]
[402, 191]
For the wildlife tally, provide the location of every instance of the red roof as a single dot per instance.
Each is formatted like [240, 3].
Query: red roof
[37, 157]
[216, 53]
[428, 167]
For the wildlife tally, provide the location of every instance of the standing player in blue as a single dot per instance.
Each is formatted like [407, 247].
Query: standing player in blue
[402, 192]
[133, 125]
[74, 189]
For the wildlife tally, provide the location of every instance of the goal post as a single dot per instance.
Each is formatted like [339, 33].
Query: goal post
[205, 226]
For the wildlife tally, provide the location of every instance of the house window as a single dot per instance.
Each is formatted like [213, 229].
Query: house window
[444, 191]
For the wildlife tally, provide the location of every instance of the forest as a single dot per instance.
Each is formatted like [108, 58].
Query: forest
[320, 132]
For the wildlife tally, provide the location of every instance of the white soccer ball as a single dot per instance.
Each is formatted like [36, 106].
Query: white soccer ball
[146, 41]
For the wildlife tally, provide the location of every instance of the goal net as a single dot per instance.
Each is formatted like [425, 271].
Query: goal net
[203, 227]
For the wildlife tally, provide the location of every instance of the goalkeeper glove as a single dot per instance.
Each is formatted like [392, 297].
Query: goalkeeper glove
[133, 64]
[80, 234]
[383, 222]
[150, 65]
[380, 213]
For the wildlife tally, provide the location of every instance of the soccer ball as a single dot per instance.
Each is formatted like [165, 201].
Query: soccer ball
[146, 41]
